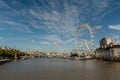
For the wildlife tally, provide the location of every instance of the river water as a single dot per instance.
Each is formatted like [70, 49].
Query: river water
[59, 69]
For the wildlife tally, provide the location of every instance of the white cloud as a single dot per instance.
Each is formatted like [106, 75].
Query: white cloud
[16, 26]
[98, 27]
[58, 19]
[115, 27]
[9, 22]
[33, 41]
[1, 28]
[51, 37]
[55, 40]
[9, 8]
[45, 43]
[64, 23]
[1, 38]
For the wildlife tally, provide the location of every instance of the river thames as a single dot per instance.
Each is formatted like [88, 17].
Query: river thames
[59, 69]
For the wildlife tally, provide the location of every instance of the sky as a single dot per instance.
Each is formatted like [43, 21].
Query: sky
[50, 25]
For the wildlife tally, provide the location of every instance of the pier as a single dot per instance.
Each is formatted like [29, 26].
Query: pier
[2, 61]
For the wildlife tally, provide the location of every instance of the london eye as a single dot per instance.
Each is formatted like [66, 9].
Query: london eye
[84, 36]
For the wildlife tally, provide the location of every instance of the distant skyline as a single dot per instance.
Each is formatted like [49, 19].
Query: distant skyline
[50, 25]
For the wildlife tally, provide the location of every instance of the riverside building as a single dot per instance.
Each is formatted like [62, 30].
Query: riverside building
[108, 50]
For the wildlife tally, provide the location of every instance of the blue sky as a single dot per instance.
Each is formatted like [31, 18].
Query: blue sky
[50, 25]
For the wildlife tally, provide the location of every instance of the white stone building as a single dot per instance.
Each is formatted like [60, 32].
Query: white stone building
[108, 50]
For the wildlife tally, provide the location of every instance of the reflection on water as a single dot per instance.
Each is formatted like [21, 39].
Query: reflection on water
[59, 69]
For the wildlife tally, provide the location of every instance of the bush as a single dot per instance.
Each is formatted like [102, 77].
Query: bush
[10, 53]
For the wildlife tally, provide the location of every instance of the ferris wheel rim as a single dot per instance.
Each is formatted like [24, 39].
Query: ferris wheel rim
[77, 32]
